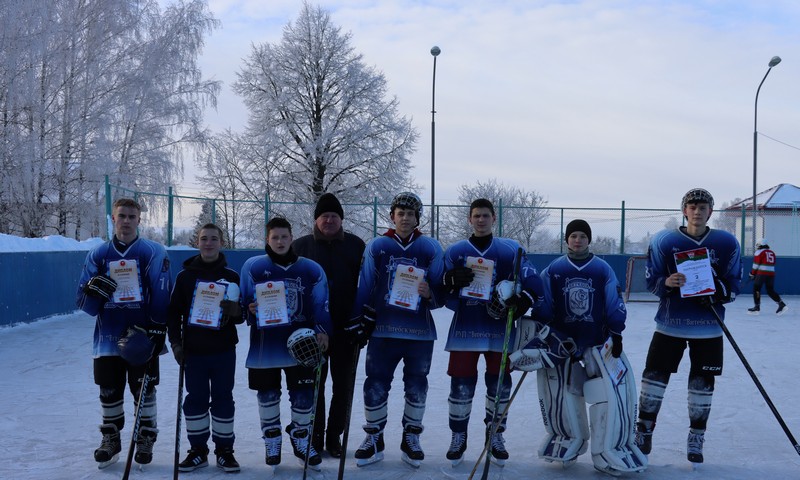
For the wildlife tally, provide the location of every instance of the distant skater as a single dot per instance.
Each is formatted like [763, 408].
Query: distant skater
[763, 274]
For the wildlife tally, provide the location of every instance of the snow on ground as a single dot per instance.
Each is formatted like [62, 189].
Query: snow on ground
[51, 412]
[52, 243]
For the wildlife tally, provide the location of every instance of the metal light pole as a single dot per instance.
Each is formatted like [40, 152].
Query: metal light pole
[435, 51]
[774, 61]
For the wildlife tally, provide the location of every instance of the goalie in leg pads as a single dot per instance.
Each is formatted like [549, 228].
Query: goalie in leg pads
[583, 295]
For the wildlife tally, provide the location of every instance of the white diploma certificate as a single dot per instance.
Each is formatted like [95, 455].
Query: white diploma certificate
[271, 304]
[481, 286]
[614, 366]
[205, 311]
[405, 287]
[696, 265]
[126, 274]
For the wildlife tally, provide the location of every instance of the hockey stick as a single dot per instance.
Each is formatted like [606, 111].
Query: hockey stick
[349, 411]
[178, 416]
[317, 374]
[495, 424]
[137, 419]
[755, 380]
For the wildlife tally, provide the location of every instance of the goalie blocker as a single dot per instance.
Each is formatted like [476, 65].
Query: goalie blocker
[565, 385]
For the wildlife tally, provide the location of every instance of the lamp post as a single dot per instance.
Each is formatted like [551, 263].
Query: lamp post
[774, 61]
[435, 51]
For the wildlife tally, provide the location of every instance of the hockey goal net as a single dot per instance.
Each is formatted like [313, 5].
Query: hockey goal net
[635, 282]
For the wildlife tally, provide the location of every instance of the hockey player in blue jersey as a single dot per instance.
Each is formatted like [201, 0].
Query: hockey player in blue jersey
[687, 321]
[126, 284]
[204, 310]
[400, 274]
[473, 331]
[282, 293]
[582, 292]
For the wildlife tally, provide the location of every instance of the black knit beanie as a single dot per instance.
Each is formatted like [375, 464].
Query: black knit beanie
[578, 226]
[328, 203]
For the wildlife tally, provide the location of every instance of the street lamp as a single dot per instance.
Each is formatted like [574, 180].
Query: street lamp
[774, 61]
[435, 51]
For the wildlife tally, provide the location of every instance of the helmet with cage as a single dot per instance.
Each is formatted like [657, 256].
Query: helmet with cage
[407, 200]
[697, 195]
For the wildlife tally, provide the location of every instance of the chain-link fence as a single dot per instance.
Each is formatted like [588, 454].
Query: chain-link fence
[172, 220]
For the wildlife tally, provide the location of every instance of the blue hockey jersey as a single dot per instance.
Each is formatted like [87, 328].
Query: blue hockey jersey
[382, 258]
[113, 319]
[472, 329]
[686, 317]
[306, 302]
[585, 299]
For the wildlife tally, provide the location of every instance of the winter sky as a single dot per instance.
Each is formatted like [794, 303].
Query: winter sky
[587, 102]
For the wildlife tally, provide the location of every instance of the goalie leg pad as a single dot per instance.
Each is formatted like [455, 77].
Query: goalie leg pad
[612, 414]
[563, 414]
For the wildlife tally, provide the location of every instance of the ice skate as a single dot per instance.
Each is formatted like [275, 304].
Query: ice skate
[108, 451]
[272, 443]
[782, 308]
[144, 445]
[754, 310]
[302, 446]
[371, 449]
[644, 437]
[412, 451]
[498, 446]
[694, 446]
[458, 444]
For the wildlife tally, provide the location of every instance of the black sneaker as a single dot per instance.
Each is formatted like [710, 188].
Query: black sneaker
[754, 311]
[196, 458]
[144, 445]
[371, 449]
[412, 451]
[644, 437]
[108, 451]
[694, 445]
[781, 308]
[334, 445]
[226, 460]
[458, 445]
[300, 445]
[272, 442]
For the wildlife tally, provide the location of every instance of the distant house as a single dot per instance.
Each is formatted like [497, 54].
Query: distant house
[777, 219]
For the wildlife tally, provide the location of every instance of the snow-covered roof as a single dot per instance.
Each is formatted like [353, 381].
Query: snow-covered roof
[781, 196]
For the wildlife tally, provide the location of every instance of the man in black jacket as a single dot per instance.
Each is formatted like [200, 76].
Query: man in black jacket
[339, 253]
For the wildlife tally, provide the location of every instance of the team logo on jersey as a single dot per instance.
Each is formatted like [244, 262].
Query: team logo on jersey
[578, 295]
[294, 292]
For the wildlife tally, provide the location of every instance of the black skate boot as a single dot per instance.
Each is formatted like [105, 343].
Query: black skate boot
[781, 308]
[644, 436]
[412, 451]
[226, 460]
[197, 457]
[694, 445]
[458, 444]
[754, 310]
[498, 446]
[272, 442]
[301, 445]
[371, 449]
[108, 451]
[144, 445]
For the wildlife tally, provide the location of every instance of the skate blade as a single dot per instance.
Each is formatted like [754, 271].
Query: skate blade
[782, 311]
[108, 463]
[456, 462]
[498, 461]
[754, 313]
[608, 471]
[695, 466]
[363, 462]
[411, 461]
[316, 468]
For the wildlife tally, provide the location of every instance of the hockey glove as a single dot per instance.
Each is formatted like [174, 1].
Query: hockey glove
[359, 329]
[521, 302]
[231, 313]
[157, 333]
[100, 286]
[177, 352]
[458, 277]
[616, 345]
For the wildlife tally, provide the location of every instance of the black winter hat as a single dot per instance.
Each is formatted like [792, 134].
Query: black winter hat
[578, 226]
[328, 203]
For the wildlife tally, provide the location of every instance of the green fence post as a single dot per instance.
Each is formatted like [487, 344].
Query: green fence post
[266, 216]
[622, 231]
[214, 211]
[744, 219]
[109, 228]
[500, 218]
[169, 217]
[374, 217]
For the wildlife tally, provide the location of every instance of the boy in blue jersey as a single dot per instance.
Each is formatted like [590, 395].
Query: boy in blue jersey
[126, 284]
[283, 292]
[687, 321]
[473, 331]
[203, 339]
[399, 274]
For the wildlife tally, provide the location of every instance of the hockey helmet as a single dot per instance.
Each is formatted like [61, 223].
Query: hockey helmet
[135, 347]
[697, 195]
[304, 348]
[762, 243]
[407, 200]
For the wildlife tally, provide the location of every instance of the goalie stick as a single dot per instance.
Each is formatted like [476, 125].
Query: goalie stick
[755, 380]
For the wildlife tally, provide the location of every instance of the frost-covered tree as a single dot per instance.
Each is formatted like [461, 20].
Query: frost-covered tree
[320, 117]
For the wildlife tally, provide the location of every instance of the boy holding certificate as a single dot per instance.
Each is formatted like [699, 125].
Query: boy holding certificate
[126, 284]
[473, 268]
[203, 313]
[282, 293]
[399, 274]
[691, 269]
